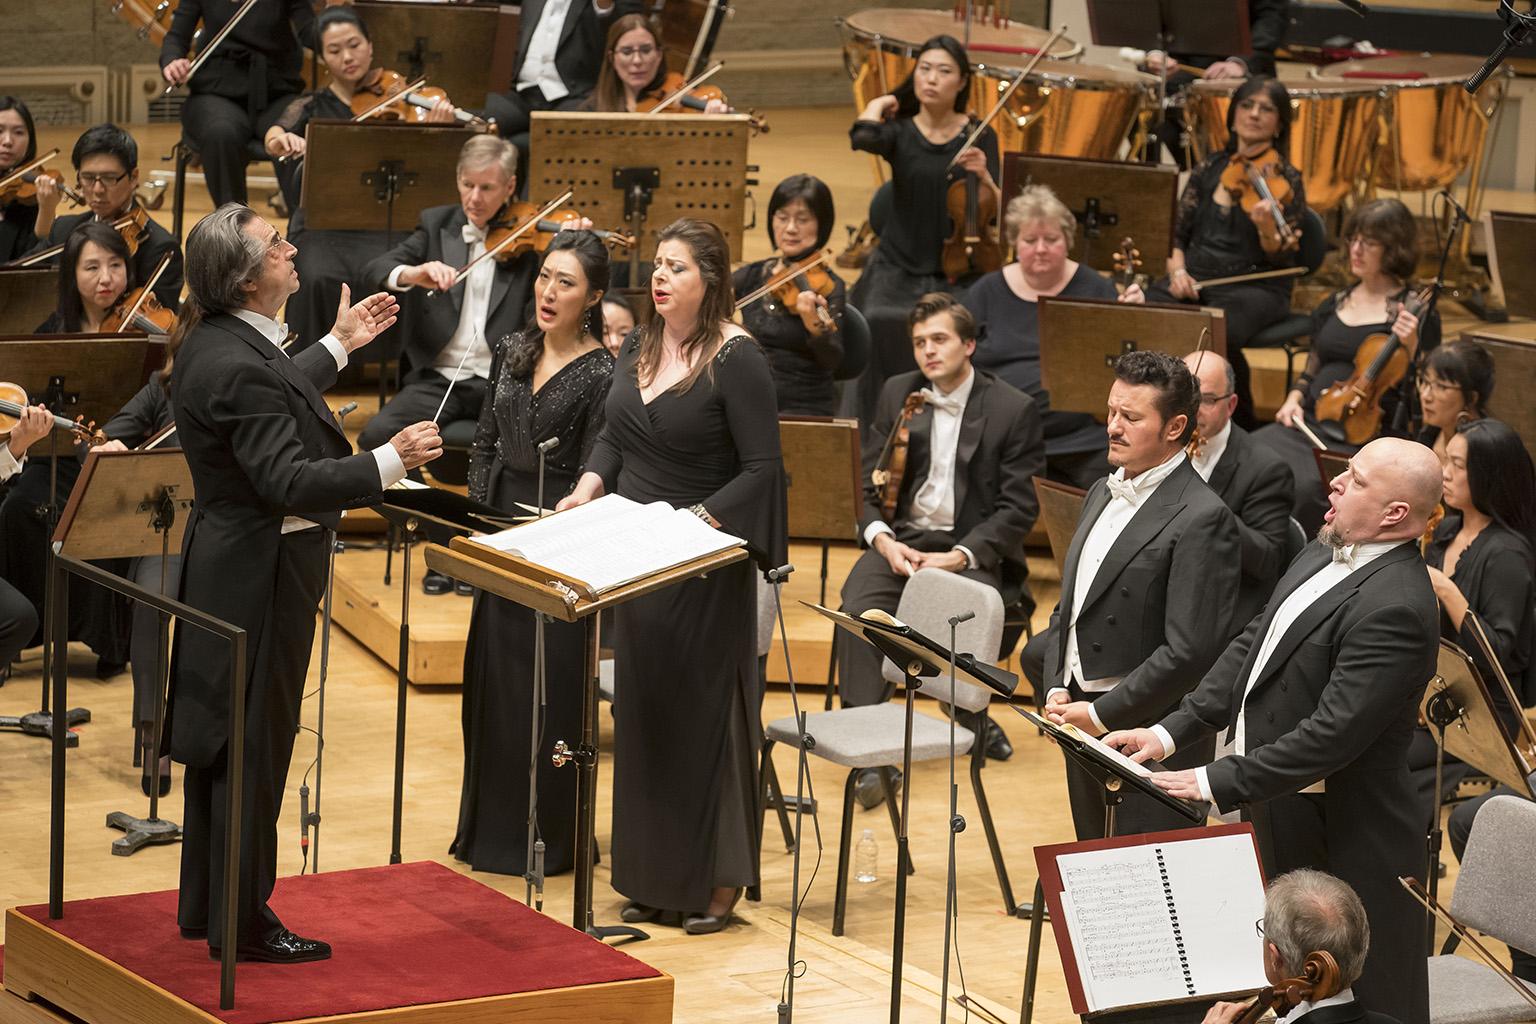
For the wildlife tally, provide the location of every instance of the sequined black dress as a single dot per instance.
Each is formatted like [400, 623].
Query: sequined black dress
[498, 657]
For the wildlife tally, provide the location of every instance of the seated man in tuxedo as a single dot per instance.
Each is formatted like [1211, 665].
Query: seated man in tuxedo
[1250, 478]
[1305, 912]
[106, 160]
[454, 331]
[1319, 696]
[18, 619]
[966, 499]
[1148, 587]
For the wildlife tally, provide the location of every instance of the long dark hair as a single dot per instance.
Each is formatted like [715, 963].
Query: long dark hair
[906, 92]
[12, 103]
[1277, 95]
[712, 255]
[340, 15]
[524, 348]
[1501, 476]
[1467, 365]
[817, 197]
[608, 95]
[71, 309]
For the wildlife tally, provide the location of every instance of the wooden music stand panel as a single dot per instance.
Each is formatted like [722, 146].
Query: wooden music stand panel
[101, 371]
[702, 160]
[1080, 339]
[1112, 199]
[339, 153]
[821, 462]
[1061, 506]
[1477, 737]
[1513, 349]
[1512, 258]
[109, 512]
[27, 296]
[1329, 464]
[454, 45]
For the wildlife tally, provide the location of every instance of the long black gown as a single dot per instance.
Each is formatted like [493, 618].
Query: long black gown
[685, 658]
[498, 656]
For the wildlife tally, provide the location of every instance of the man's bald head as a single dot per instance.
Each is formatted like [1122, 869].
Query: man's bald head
[1218, 390]
[1387, 493]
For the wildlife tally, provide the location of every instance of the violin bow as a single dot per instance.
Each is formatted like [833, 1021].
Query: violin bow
[146, 291]
[687, 87]
[788, 274]
[1007, 95]
[213, 44]
[1259, 275]
[389, 99]
[20, 172]
[516, 233]
[1417, 891]
[42, 255]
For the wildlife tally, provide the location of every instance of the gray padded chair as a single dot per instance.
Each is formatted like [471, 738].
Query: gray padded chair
[871, 737]
[1495, 894]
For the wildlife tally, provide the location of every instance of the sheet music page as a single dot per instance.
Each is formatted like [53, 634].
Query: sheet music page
[1219, 893]
[1110, 752]
[1124, 940]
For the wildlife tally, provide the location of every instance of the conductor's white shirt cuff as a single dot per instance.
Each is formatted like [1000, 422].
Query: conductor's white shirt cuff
[337, 350]
[393, 281]
[391, 469]
[1204, 783]
[1166, 739]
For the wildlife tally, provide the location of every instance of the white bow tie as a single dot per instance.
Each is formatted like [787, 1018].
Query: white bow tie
[1123, 489]
[472, 234]
[1346, 554]
[949, 403]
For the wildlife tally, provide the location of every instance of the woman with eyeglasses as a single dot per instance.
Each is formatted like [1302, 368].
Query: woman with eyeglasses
[1380, 245]
[1214, 237]
[106, 160]
[634, 67]
[1454, 388]
[803, 342]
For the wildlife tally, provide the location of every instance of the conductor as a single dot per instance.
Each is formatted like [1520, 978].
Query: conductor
[270, 466]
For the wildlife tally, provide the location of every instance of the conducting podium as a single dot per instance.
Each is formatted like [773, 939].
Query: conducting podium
[571, 566]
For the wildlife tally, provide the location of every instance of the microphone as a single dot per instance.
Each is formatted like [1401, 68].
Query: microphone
[304, 820]
[548, 445]
[543, 448]
[1461, 211]
[345, 411]
[955, 620]
[780, 574]
[1516, 32]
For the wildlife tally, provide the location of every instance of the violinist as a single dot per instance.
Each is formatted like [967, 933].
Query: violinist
[635, 70]
[1454, 388]
[963, 508]
[18, 618]
[1223, 229]
[18, 147]
[239, 90]
[1381, 248]
[94, 273]
[803, 341]
[327, 259]
[918, 128]
[1307, 912]
[618, 321]
[106, 160]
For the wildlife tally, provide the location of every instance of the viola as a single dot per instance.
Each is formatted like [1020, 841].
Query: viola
[677, 93]
[393, 97]
[891, 466]
[1381, 362]
[786, 284]
[1254, 178]
[975, 247]
[13, 399]
[20, 185]
[1318, 980]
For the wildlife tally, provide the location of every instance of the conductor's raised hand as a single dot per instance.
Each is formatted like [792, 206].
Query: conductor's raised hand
[1137, 744]
[357, 325]
[418, 444]
[435, 274]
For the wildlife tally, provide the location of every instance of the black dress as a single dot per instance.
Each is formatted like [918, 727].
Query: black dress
[802, 363]
[498, 656]
[17, 221]
[909, 260]
[1076, 445]
[685, 658]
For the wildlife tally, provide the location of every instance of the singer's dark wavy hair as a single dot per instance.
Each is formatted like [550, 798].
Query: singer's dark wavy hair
[524, 348]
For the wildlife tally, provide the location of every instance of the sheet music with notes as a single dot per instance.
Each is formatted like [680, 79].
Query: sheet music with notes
[612, 541]
[1164, 921]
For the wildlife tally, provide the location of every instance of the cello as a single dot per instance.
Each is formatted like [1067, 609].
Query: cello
[1318, 980]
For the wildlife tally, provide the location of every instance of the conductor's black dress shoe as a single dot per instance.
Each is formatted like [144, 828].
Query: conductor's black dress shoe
[282, 948]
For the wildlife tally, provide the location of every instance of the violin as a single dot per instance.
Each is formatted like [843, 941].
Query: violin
[676, 92]
[891, 466]
[133, 226]
[809, 275]
[20, 185]
[543, 232]
[1381, 362]
[13, 399]
[504, 238]
[1127, 266]
[1253, 179]
[1319, 979]
[392, 97]
[139, 310]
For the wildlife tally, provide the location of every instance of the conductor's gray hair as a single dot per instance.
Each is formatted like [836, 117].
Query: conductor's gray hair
[1307, 910]
[485, 150]
[221, 257]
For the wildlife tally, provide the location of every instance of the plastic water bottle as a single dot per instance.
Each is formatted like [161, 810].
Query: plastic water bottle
[866, 858]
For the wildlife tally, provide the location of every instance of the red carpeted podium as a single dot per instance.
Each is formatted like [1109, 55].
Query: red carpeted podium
[413, 944]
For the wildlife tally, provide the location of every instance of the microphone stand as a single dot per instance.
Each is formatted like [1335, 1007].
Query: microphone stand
[1517, 31]
[956, 821]
[1408, 412]
[533, 859]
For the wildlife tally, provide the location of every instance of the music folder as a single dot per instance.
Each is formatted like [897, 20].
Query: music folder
[1106, 761]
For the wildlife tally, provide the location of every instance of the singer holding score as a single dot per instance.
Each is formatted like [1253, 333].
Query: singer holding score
[541, 418]
[691, 420]
[271, 468]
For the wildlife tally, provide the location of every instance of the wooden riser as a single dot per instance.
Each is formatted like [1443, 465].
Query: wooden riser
[370, 611]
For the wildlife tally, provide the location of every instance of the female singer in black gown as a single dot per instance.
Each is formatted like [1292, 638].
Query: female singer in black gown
[550, 382]
[1213, 237]
[691, 421]
[18, 146]
[801, 349]
[328, 259]
[918, 128]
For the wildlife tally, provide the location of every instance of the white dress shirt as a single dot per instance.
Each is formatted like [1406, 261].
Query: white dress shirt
[1211, 452]
[1125, 497]
[933, 505]
[391, 469]
[10, 465]
[1304, 1007]
[539, 61]
[1345, 562]
[467, 353]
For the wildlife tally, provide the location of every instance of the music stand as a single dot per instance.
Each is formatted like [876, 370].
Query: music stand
[1061, 505]
[1329, 464]
[27, 296]
[919, 657]
[1512, 258]
[78, 376]
[557, 596]
[645, 172]
[1080, 339]
[454, 46]
[351, 169]
[1111, 199]
[1173, 26]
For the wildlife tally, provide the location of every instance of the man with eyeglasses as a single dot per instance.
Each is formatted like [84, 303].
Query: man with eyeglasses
[106, 160]
[1249, 478]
